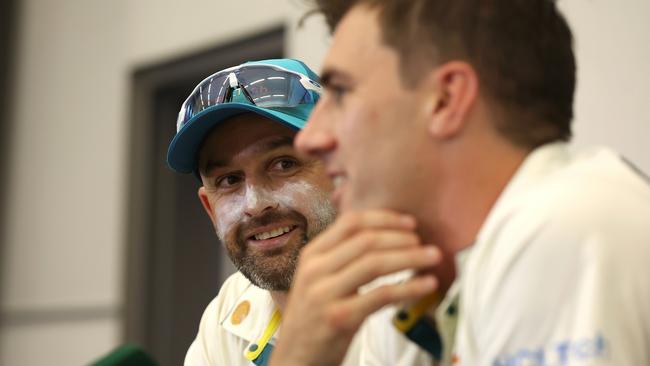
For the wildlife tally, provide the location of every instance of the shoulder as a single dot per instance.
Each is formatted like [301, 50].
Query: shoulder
[597, 202]
[231, 290]
[213, 343]
[594, 199]
[590, 214]
[561, 261]
[591, 186]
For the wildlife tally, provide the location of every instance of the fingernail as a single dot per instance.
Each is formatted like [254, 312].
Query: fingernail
[429, 282]
[408, 220]
[431, 252]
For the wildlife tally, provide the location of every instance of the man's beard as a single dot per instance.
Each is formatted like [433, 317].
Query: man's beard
[271, 269]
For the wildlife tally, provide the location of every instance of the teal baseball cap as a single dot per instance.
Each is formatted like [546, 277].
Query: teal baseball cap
[282, 90]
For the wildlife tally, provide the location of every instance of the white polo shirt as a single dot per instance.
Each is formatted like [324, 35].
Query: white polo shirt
[560, 272]
[236, 319]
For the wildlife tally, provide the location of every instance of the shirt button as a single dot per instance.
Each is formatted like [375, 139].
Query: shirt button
[451, 310]
[402, 315]
[253, 347]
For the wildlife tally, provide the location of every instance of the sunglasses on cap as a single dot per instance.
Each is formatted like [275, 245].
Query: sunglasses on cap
[262, 85]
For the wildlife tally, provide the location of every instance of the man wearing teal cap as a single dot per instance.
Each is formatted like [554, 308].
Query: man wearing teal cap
[266, 201]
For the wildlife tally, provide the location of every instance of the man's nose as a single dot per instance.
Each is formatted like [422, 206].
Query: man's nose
[316, 138]
[258, 200]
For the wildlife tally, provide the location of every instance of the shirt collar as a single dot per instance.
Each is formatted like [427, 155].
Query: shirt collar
[252, 325]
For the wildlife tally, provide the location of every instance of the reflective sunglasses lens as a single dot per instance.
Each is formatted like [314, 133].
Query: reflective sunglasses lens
[266, 87]
[274, 90]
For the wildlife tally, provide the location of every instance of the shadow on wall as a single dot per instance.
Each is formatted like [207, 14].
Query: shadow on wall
[8, 29]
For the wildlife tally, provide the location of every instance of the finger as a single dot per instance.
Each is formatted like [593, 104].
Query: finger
[352, 222]
[374, 265]
[348, 314]
[363, 243]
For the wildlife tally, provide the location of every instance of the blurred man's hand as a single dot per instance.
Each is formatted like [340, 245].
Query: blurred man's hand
[325, 309]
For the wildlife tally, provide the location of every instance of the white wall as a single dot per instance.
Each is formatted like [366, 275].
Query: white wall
[612, 43]
[64, 253]
[62, 249]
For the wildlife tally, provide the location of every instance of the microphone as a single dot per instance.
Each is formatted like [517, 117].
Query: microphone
[126, 355]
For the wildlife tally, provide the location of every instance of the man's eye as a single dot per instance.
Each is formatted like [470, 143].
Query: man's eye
[337, 92]
[228, 181]
[284, 164]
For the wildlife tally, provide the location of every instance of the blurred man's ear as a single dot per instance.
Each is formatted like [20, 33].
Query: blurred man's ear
[456, 91]
[207, 206]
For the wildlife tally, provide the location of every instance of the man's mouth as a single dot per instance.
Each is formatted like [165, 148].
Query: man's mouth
[272, 237]
[273, 233]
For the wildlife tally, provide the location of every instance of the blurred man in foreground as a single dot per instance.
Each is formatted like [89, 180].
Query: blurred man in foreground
[455, 116]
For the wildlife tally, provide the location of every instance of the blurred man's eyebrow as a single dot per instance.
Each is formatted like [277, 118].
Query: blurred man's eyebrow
[330, 73]
[266, 146]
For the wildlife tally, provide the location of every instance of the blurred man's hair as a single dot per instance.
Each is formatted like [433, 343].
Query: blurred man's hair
[522, 51]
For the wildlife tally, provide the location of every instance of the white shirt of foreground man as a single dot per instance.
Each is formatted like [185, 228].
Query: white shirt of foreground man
[559, 274]
[562, 247]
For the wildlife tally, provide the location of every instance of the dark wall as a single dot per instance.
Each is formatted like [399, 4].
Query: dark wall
[7, 55]
[8, 29]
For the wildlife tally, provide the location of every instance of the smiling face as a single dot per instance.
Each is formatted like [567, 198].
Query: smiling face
[265, 200]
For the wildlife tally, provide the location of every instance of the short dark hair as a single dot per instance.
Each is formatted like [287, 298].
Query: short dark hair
[522, 51]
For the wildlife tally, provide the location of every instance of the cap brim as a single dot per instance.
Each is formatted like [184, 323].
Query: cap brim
[183, 149]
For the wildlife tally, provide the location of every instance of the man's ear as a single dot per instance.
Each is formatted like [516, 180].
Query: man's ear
[207, 206]
[456, 85]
